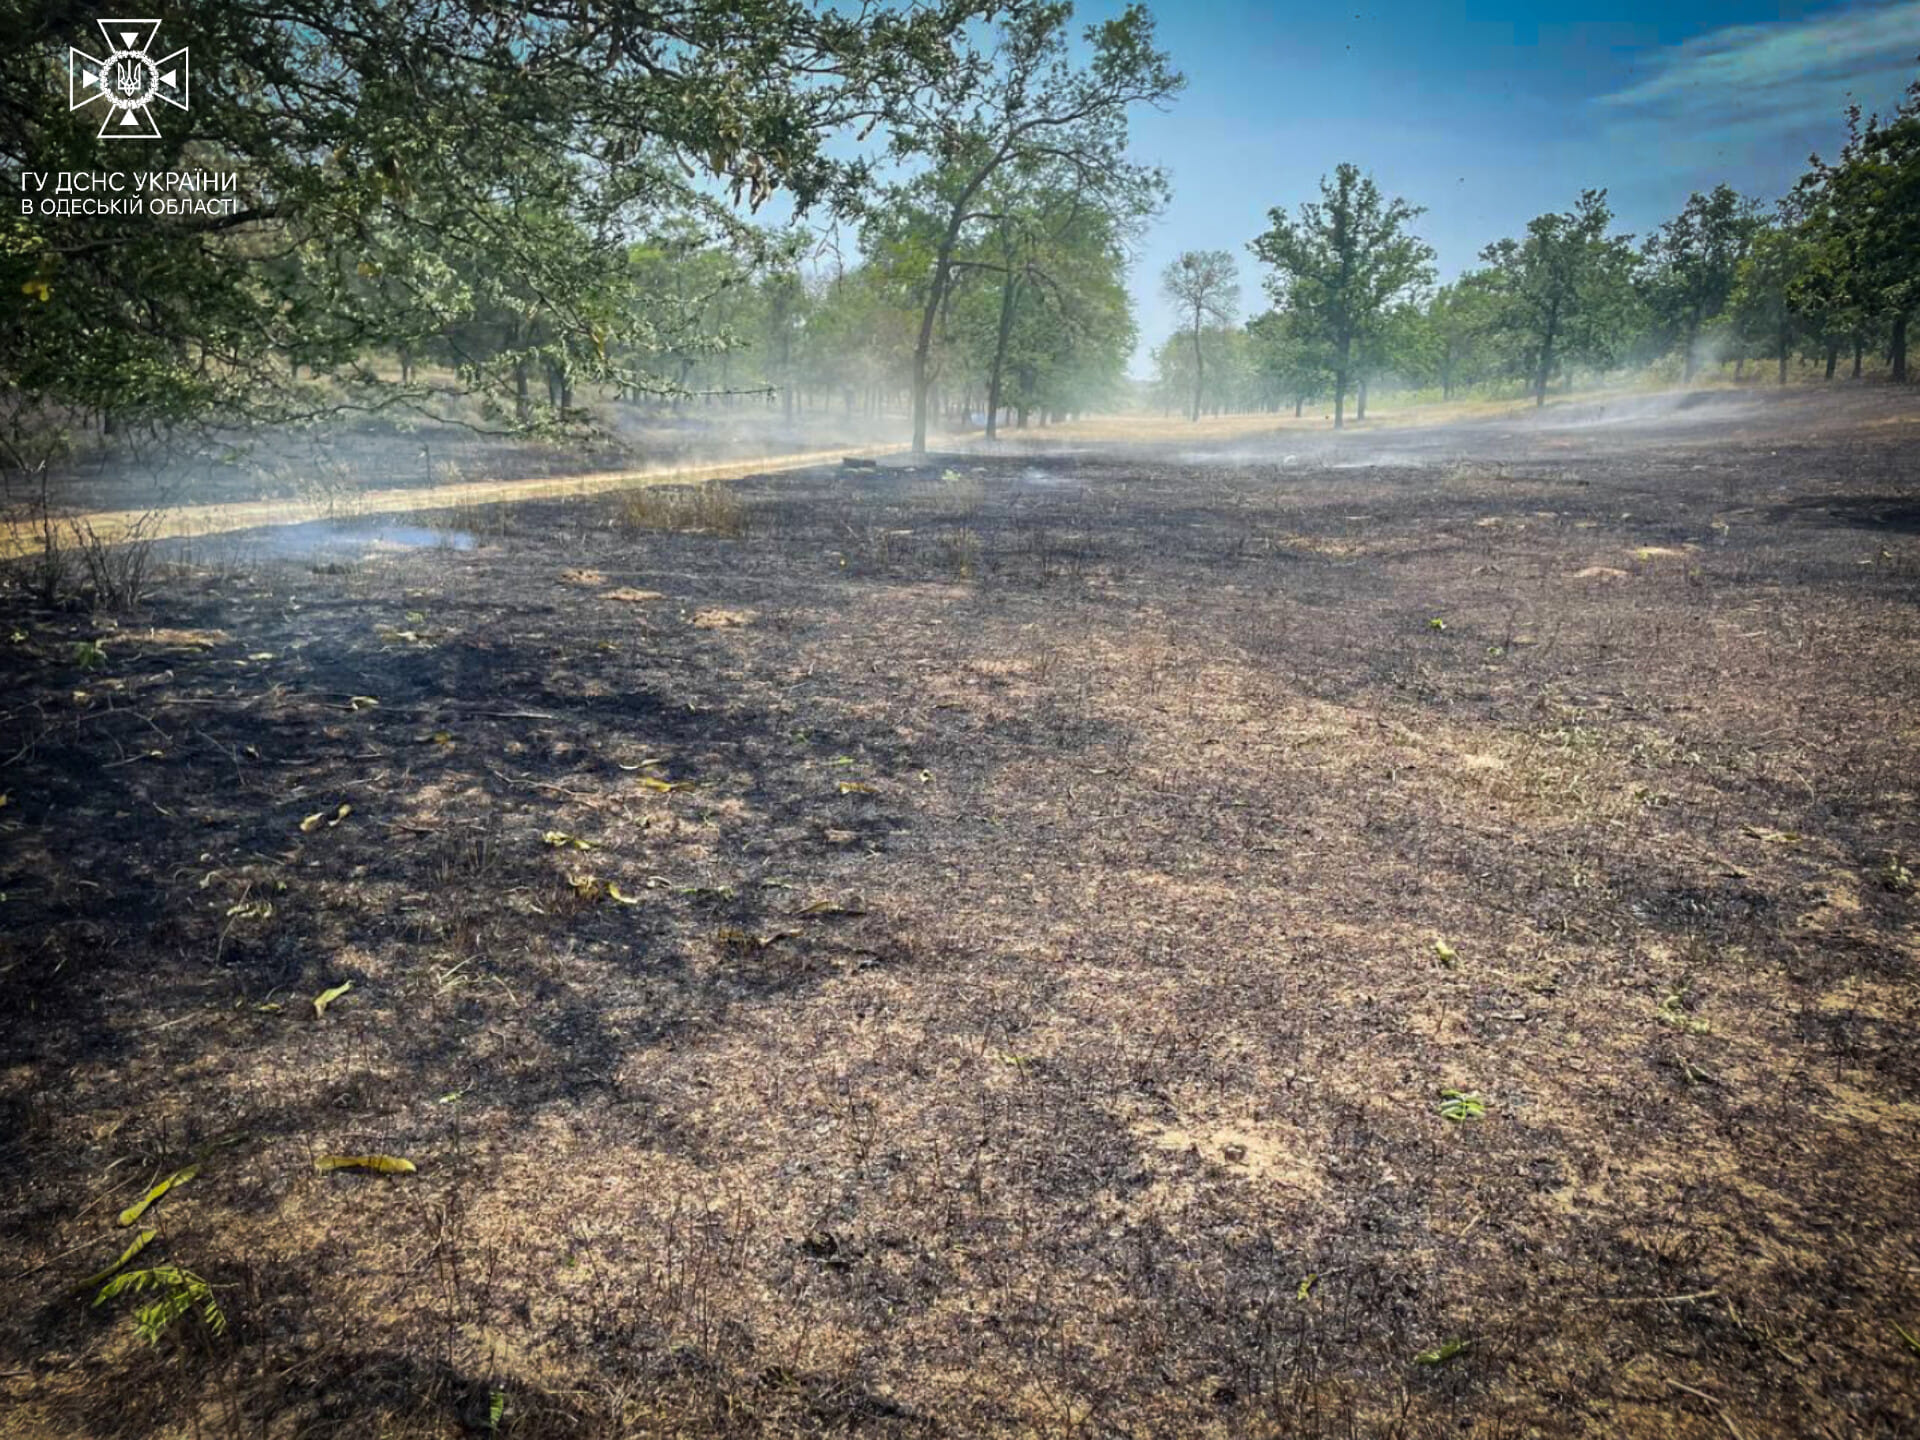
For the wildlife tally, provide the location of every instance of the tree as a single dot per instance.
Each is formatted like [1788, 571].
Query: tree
[420, 172]
[1764, 306]
[1693, 261]
[1460, 319]
[1341, 263]
[1559, 287]
[1205, 284]
[1288, 362]
[1021, 105]
[1867, 208]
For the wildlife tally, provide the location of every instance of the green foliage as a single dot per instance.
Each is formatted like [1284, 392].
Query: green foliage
[426, 199]
[176, 1293]
[1564, 292]
[1341, 265]
[1020, 116]
[1862, 217]
[1204, 285]
[1692, 263]
[1459, 1105]
[1676, 1009]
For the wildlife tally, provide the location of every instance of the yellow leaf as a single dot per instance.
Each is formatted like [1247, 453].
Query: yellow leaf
[139, 1207]
[363, 702]
[320, 817]
[665, 787]
[852, 906]
[854, 787]
[1444, 951]
[613, 893]
[101, 1277]
[587, 887]
[382, 1164]
[327, 997]
[560, 840]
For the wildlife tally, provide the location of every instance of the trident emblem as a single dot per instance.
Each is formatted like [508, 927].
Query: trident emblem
[129, 79]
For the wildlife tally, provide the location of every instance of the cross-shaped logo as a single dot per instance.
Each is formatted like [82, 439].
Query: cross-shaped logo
[129, 79]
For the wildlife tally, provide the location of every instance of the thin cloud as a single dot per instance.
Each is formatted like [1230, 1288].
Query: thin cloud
[1749, 81]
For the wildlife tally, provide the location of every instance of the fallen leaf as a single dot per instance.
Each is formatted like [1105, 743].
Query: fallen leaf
[139, 1207]
[327, 997]
[101, 1277]
[382, 1164]
[320, 817]
[1440, 1354]
[736, 939]
[855, 787]
[614, 893]
[363, 702]
[853, 905]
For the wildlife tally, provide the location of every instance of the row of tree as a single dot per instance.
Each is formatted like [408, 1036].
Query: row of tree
[1834, 268]
[510, 215]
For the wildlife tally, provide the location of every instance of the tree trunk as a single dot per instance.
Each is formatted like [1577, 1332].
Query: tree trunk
[1340, 383]
[1900, 347]
[1199, 364]
[1859, 349]
[1833, 357]
[1360, 398]
[1783, 353]
[1299, 402]
[1546, 359]
[1000, 354]
[1693, 335]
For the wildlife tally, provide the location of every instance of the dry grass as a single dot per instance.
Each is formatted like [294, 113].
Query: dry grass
[1041, 973]
[710, 509]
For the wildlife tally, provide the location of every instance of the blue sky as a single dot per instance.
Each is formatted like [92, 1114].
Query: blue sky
[1491, 113]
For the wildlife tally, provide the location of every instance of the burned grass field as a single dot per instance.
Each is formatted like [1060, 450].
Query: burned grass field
[1399, 937]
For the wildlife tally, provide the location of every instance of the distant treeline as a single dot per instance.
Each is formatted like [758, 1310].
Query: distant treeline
[1826, 277]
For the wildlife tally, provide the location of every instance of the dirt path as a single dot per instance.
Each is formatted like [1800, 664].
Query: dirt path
[224, 518]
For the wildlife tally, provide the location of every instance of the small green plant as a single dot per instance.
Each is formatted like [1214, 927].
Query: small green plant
[1436, 623]
[1896, 877]
[1459, 1105]
[176, 1294]
[1675, 1009]
[89, 654]
[1440, 1354]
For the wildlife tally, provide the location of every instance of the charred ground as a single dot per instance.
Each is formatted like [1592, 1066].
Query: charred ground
[1062, 887]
